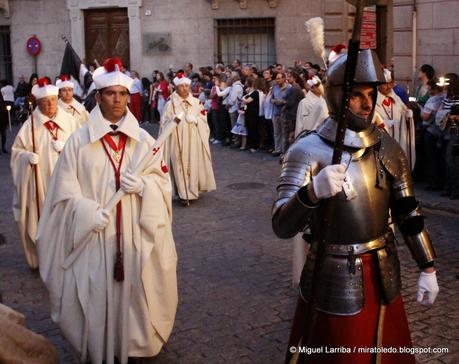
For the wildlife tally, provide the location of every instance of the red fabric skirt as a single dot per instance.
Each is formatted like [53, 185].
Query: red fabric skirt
[357, 331]
[135, 105]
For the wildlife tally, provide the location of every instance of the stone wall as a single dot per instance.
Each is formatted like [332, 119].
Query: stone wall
[437, 34]
[48, 19]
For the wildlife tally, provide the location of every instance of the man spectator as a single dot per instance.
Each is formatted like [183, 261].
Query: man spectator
[189, 71]
[111, 275]
[293, 97]
[233, 100]
[279, 99]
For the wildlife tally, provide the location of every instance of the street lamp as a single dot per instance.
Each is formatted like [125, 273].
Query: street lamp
[8, 107]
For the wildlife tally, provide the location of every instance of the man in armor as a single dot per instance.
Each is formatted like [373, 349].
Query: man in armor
[352, 299]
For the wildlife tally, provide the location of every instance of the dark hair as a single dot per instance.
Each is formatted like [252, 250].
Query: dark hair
[32, 76]
[316, 66]
[452, 90]
[432, 83]
[145, 82]
[428, 70]
[190, 65]
[297, 78]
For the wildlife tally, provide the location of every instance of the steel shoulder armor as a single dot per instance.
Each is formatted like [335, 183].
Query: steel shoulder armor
[406, 210]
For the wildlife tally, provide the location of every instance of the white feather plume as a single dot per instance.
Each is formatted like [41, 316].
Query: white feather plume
[315, 28]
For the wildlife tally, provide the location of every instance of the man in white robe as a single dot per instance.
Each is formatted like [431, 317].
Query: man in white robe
[397, 118]
[67, 101]
[111, 275]
[312, 110]
[187, 150]
[52, 127]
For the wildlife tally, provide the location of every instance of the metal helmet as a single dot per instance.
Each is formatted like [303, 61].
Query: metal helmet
[368, 71]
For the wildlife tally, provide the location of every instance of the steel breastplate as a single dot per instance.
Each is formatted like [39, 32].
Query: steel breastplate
[364, 217]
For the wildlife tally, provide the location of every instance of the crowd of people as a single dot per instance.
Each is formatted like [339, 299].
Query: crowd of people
[266, 109]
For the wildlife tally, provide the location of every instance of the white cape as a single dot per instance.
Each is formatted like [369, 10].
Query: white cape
[399, 123]
[99, 316]
[193, 133]
[76, 109]
[24, 198]
[311, 113]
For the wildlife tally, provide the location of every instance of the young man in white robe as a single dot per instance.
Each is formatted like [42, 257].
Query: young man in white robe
[111, 275]
[68, 102]
[51, 127]
[397, 118]
[187, 150]
[312, 110]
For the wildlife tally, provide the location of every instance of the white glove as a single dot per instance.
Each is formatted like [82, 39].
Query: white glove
[427, 284]
[33, 157]
[102, 220]
[131, 183]
[191, 119]
[58, 145]
[329, 181]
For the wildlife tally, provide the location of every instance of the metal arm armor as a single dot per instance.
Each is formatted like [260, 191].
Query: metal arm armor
[406, 210]
[291, 211]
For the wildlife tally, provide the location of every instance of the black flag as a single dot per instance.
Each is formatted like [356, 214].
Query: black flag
[72, 66]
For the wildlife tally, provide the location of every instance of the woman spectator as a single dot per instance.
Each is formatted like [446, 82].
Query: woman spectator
[435, 165]
[159, 93]
[215, 105]
[448, 119]
[252, 110]
[146, 109]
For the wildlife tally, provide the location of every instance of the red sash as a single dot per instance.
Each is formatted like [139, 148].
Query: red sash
[52, 128]
[119, 270]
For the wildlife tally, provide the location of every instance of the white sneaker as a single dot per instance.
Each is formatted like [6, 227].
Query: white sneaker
[212, 140]
[216, 141]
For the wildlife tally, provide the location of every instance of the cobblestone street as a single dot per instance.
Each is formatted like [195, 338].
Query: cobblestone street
[235, 296]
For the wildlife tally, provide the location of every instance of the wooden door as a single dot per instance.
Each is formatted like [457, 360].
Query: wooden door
[107, 35]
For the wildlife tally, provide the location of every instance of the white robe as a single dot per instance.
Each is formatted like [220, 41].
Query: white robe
[24, 197]
[193, 134]
[76, 109]
[311, 113]
[99, 316]
[399, 123]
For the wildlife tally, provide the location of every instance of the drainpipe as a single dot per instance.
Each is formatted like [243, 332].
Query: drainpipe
[414, 43]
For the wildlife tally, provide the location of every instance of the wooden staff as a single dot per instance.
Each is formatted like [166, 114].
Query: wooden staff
[34, 166]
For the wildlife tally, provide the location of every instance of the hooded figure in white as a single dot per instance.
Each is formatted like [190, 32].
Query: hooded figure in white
[187, 151]
[397, 118]
[111, 275]
[68, 102]
[31, 169]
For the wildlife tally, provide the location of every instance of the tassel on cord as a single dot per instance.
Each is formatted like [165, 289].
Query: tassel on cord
[315, 28]
[119, 269]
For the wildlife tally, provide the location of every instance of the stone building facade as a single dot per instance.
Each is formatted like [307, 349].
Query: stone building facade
[163, 33]
[425, 31]
[158, 34]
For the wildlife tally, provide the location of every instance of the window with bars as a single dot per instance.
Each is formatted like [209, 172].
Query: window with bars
[6, 70]
[251, 40]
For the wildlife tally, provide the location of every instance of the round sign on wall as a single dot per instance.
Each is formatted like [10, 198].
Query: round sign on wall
[33, 46]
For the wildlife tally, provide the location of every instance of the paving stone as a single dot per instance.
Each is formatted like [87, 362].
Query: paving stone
[235, 296]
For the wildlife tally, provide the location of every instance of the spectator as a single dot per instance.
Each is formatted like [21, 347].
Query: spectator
[234, 98]
[435, 165]
[279, 99]
[293, 97]
[251, 101]
[448, 120]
